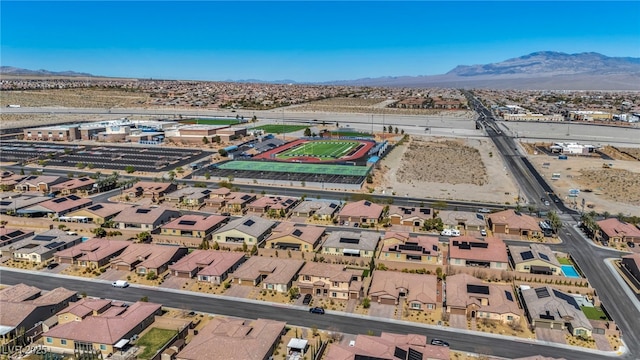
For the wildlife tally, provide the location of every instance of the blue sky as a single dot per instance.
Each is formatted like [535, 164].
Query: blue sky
[303, 41]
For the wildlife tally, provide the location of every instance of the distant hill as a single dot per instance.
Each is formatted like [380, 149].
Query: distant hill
[539, 70]
[10, 70]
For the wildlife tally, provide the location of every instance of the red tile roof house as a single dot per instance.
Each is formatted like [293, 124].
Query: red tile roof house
[330, 280]
[145, 258]
[154, 190]
[512, 222]
[188, 196]
[99, 213]
[76, 311]
[363, 211]
[319, 210]
[115, 327]
[276, 206]
[470, 296]
[57, 207]
[194, 226]
[632, 264]
[234, 339]
[293, 236]
[144, 218]
[23, 306]
[401, 247]
[409, 216]
[209, 265]
[421, 292]
[93, 253]
[38, 183]
[251, 230]
[274, 273]
[234, 202]
[74, 185]
[487, 252]
[387, 346]
[8, 180]
[617, 231]
[9, 236]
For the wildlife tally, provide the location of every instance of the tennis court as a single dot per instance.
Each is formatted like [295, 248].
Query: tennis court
[322, 150]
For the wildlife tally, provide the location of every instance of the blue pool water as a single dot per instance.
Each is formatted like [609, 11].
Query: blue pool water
[85, 238]
[569, 271]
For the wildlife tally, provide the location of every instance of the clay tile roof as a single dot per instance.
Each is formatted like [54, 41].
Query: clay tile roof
[614, 228]
[309, 234]
[332, 272]
[458, 295]
[421, 288]
[233, 339]
[495, 249]
[362, 209]
[515, 220]
[277, 271]
[195, 222]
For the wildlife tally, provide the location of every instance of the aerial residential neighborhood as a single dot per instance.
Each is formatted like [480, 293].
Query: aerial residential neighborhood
[319, 181]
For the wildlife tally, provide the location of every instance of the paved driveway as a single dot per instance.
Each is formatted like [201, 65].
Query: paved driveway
[551, 335]
[174, 282]
[238, 291]
[113, 274]
[56, 270]
[458, 321]
[381, 310]
[602, 343]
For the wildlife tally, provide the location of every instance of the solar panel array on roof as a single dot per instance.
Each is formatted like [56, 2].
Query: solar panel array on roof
[543, 256]
[44, 237]
[507, 293]
[480, 217]
[414, 354]
[425, 211]
[5, 203]
[478, 289]
[568, 298]
[95, 207]
[349, 240]
[248, 222]
[73, 197]
[434, 247]
[187, 222]
[479, 244]
[289, 201]
[410, 246]
[83, 179]
[399, 353]
[333, 205]
[297, 232]
[542, 293]
[143, 211]
[59, 200]
[526, 255]
[54, 245]
[367, 203]
[246, 197]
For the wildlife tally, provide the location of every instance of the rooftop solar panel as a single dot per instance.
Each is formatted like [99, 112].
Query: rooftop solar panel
[367, 203]
[349, 240]
[59, 200]
[542, 293]
[507, 293]
[143, 211]
[297, 232]
[248, 223]
[95, 207]
[478, 289]
[54, 245]
[44, 237]
[187, 222]
[73, 197]
[544, 256]
[526, 255]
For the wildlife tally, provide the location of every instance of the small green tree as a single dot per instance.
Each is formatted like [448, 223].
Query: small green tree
[151, 275]
[223, 152]
[366, 303]
[205, 140]
[307, 132]
[144, 237]
[99, 232]
[129, 169]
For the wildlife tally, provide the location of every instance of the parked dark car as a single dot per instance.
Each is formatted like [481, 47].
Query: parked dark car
[52, 266]
[631, 244]
[306, 300]
[317, 310]
[439, 342]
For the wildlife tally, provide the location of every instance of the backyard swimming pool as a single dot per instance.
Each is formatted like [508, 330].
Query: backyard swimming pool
[569, 271]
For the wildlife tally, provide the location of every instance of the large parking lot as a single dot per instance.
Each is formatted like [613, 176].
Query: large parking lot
[142, 158]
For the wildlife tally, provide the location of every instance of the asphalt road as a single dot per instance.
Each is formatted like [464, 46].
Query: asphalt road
[624, 309]
[460, 340]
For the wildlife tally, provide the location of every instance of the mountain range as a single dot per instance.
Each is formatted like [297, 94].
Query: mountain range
[543, 70]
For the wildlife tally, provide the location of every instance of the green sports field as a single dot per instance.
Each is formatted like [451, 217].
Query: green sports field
[270, 166]
[211, 121]
[280, 128]
[323, 150]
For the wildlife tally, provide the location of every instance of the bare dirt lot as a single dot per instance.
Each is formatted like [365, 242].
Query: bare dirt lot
[455, 169]
[369, 106]
[615, 190]
[82, 98]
